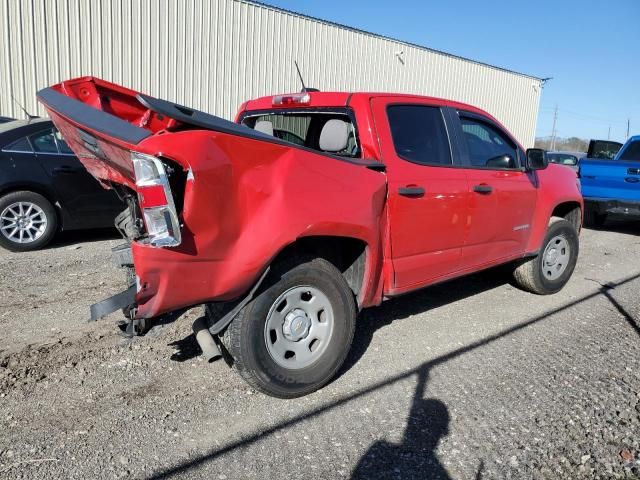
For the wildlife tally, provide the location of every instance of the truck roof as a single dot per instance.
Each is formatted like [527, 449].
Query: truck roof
[343, 99]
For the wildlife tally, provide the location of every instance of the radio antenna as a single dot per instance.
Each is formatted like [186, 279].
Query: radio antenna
[29, 116]
[304, 88]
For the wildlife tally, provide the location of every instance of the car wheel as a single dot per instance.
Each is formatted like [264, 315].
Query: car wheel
[551, 269]
[293, 337]
[28, 221]
[594, 219]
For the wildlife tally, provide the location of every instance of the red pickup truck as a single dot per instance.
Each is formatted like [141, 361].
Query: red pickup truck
[308, 208]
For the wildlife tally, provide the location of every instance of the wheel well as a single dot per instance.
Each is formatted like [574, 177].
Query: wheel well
[41, 191]
[570, 211]
[347, 254]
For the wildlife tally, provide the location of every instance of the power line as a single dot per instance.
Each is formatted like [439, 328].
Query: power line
[584, 115]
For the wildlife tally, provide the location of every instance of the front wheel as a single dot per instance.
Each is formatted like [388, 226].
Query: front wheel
[293, 337]
[551, 269]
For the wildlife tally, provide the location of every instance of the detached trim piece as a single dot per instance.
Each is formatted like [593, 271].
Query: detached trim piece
[222, 323]
[116, 302]
[92, 118]
[191, 116]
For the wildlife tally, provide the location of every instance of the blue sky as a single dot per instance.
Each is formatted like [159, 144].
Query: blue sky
[589, 48]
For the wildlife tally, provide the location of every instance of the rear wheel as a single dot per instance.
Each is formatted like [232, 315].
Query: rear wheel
[293, 337]
[28, 221]
[551, 269]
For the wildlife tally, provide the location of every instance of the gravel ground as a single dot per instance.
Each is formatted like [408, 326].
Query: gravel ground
[469, 379]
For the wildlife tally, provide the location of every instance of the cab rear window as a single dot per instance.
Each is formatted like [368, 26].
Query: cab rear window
[331, 132]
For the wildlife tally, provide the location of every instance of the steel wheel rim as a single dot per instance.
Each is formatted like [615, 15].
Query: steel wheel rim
[556, 257]
[299, 327]
[23, 222]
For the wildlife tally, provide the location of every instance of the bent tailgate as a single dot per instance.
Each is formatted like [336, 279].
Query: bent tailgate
[103, 122]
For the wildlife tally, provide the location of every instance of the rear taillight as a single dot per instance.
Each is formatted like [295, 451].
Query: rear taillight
[156, 202]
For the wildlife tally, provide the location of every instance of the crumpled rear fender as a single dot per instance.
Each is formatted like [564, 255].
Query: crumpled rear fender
[244, 202]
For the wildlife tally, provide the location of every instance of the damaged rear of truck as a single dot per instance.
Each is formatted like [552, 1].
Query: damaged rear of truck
[218, 213]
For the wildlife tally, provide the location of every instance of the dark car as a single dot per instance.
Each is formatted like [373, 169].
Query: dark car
[45, 189]
[569, 159]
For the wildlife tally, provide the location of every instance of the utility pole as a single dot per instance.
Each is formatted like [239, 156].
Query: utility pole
[553, 130]
[628, 124]
[609, 134]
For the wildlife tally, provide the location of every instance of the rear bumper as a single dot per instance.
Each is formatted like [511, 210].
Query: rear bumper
[605, 205]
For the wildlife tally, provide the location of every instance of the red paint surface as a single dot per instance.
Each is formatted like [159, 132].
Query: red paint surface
[249, 199]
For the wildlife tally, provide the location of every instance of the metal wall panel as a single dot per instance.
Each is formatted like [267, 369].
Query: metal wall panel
[214, 54]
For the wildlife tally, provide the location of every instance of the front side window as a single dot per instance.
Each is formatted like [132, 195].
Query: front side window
[487, 146]
[44, 142]
[419, 134]
[632, 152]
[20, 145]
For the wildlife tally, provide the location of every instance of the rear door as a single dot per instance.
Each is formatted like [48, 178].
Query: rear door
[427, 204]
[80, 194]
[502, 196]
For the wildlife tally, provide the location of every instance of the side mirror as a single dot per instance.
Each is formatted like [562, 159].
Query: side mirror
[537, 159]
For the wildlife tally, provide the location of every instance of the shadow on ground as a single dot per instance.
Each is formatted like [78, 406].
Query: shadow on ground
[428, 419]
[73, 237]
[619, 224]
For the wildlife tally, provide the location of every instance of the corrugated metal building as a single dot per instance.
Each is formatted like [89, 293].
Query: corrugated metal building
[214, 54]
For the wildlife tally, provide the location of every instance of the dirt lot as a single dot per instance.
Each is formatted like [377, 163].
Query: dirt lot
[469, 379]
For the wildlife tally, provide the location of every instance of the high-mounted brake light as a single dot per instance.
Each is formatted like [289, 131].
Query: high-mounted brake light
[292, 99]
[156, 201]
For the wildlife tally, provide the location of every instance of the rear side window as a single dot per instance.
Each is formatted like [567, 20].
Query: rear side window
[20, 145]
[487, 146]
[62, 145]
[44, 142]
[419, 134]
[632, 152]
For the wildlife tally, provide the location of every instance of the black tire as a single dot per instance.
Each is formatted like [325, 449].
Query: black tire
[245, 337]
[529, 275]
[48, 211]
[592, 218]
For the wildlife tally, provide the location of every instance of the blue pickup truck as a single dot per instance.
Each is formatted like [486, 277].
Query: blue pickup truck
[612, 185]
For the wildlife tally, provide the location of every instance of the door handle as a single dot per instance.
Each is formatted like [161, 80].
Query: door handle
[483, 188]
[411, 191]
[633, 171]
[65, 169]
[632, 180]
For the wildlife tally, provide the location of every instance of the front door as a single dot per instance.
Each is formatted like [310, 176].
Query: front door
[502, 195]
[427, 205]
